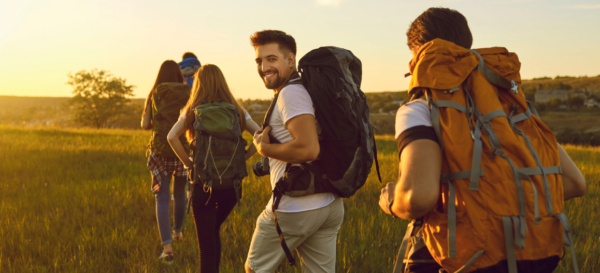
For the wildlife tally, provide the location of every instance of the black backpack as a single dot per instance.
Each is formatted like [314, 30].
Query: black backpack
[332, 77]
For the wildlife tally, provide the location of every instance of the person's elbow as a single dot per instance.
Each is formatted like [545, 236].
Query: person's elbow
[313, 154]
[146, 125]
[412, 206]
[579, 186]
[310, 153]
[172, 137]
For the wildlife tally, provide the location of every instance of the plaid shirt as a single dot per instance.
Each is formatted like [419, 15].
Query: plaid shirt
[162, 166]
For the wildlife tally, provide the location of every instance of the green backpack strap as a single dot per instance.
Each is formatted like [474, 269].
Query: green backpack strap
[237, 182]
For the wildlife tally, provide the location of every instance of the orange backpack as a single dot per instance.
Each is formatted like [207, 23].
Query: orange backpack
[501, 193]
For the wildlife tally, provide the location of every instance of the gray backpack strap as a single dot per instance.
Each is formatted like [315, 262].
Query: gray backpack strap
[408, 243]
[399, 264]
[568, 239]
[493, 77]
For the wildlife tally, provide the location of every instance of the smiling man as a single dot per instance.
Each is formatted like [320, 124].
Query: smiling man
[310, 223]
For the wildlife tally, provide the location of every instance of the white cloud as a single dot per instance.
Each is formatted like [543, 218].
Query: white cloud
[586, 6]
[334, 3]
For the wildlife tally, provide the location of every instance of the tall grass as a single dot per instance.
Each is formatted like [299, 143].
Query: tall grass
[80, 201]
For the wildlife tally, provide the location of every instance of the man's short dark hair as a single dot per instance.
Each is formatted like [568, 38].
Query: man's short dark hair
[443, 23]
[284, 40]
[188, 55]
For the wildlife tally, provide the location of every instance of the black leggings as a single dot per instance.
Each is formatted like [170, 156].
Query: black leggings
[208, 219]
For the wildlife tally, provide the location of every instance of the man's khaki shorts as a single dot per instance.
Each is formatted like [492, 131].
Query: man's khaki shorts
[312, 233]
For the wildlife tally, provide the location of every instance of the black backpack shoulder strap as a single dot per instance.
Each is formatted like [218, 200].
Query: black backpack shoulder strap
[293, 77]
[270, 111]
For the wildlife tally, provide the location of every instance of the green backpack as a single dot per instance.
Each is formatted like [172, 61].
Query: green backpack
[167, 101]
[218, 152]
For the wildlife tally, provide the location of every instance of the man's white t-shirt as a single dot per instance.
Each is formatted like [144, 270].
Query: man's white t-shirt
[415, 113]
[413, 122]
[293, 100]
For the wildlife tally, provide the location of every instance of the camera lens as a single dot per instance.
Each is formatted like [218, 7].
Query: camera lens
[261, 168]
[257, 169]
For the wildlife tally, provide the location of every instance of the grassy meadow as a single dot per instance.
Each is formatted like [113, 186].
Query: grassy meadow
[79, 201]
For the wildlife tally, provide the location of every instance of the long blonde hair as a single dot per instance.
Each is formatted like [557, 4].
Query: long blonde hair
[209, 84]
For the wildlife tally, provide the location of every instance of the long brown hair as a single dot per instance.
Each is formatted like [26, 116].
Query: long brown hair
[169, 72]
[209, 84]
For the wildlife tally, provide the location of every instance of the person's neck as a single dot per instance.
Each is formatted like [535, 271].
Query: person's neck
[285, 82]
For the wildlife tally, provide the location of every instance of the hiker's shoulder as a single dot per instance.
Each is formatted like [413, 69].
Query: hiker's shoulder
[162, 86]
[175, 86]
[418, 107]
[415, 113]
[294, 86]
[294, 92]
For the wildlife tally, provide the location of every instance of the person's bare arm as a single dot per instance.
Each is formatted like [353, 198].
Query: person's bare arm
[303, 148]
[173, 138]
[574, 184]
[147, 116]
[418, 188]
[252, 128]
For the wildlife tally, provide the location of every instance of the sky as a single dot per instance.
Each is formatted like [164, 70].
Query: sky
[42, 41]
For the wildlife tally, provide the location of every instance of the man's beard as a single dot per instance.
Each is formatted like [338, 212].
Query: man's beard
[273, 84]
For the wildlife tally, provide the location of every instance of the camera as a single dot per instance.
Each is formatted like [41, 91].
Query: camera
[261, 168]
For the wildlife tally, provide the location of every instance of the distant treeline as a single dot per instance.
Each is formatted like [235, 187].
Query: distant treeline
[56, 111]
[53, 111]
[591, 85]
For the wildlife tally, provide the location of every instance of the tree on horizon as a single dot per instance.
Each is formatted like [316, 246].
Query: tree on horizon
[99, 97]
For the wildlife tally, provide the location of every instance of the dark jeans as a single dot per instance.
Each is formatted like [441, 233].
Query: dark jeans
[208, 219]
[546, 265]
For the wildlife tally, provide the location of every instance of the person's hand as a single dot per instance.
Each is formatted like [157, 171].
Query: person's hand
[191, 165]
[156, 188]
[261, 138]
[387, 197]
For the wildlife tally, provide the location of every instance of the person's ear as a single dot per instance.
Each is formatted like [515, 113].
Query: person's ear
[291, 59]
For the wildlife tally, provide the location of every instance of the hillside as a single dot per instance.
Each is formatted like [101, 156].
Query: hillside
[571, 125]
[584, 83]
[55, 111]
[16, 102]
[589, 84]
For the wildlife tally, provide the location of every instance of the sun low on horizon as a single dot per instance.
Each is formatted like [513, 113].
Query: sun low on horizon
[41, 42]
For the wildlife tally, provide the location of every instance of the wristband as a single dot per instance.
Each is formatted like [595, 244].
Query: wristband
[391, 212]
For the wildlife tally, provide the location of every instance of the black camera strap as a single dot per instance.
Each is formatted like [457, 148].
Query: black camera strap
[286, 249]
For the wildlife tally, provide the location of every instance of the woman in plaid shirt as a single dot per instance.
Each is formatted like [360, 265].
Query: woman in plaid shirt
[162, 168]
